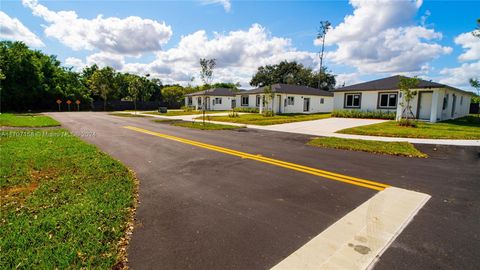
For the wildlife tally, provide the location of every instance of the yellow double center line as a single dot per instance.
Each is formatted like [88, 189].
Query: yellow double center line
[276, 162]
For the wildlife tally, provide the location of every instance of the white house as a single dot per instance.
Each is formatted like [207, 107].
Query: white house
[284, 98]
[433, 101]
[215, 99]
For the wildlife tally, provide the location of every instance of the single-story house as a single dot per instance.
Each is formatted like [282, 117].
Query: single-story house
[433, 101]
[216, 99]
[284, 98]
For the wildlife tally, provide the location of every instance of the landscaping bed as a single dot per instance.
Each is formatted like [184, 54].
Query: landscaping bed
[467, 128]
[260, 119]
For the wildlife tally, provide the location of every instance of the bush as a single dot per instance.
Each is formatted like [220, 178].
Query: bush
[268, 113]
[186, 108]
[408, 123]
[247, 110]
[233, 114]
[364, 114]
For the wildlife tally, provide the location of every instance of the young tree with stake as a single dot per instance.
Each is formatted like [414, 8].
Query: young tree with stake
[206, 73]
[321, 34]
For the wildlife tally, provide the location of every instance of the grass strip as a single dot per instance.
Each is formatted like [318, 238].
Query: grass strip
[27, 120]
[389, 148]
[206, 126]
[65, 204]
[260, 119]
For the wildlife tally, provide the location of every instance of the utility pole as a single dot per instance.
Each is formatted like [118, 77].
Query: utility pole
[322, 32]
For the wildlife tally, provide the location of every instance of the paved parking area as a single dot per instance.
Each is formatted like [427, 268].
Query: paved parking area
[203, 209]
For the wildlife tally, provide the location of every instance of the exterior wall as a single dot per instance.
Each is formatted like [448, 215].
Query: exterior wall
[368, 100]
[226, 103]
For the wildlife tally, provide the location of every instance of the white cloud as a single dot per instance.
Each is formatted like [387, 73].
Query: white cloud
[227, 5]
[74, 62]
[238, 54]
[470, 44]
[129, 36]
[103, 59]
[380, 38]
[459, 76]
[347, 79]
[13, 29]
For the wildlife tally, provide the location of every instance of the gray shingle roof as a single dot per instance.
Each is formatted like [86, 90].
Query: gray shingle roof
[391, 83]
[291, 89]
[215, 92]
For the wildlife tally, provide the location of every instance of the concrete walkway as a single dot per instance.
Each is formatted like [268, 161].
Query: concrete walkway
[328, 128]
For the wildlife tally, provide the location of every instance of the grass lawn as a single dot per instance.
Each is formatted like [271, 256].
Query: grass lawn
[259, 119]
[127, 115]
[463, 128]
[180, 112]
[390, 148]
[65, 204]
[200, 125]
[27, 120]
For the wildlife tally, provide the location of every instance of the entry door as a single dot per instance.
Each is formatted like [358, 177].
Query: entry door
[207, 103]
[425, 105]
[279, 103]
[306, 104]
[454, 101]
[234, 103]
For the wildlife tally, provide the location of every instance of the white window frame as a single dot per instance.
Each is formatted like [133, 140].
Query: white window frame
[189, 101]
[345, 105]
[242, 99]
[290, 101]
[217, 100]
[258, 99]
[322, 100]
[388, 94]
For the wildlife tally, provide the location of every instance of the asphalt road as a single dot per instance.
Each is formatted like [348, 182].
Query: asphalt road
[201, 209]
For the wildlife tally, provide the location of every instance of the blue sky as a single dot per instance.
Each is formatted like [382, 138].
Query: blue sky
[370, 38]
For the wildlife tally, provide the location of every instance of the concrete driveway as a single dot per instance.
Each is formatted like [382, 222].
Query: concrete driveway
[322, 126]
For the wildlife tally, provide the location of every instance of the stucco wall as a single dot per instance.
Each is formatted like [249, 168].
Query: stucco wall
[297, 107]
[226, 103]
[369, 100]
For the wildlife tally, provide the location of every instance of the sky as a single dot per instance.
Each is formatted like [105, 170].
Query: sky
[369, 39]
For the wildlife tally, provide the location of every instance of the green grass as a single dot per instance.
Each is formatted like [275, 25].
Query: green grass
[168, 121]
[128, 115]
[27, 120]
[178, 113]
[463, 128]
[207, 126]
[390, 148]
[259, 119]
[377, 114]
[65, 204]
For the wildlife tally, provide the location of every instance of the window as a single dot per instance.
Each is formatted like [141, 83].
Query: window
[461, 100]
[257, 101]
[445, 102]
[290, 100]
[352, 100]
[387, 100]
[189, 101]
[244, 100]
[217, 100]
[322, 100]
[199, 101]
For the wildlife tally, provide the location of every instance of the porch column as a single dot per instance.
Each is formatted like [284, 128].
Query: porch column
[261, 104]
[398, 116]
[434, 108]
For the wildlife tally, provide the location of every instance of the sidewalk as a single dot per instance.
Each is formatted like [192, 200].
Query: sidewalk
[327, 128]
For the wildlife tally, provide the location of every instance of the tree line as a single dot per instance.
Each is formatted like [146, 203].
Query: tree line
[32, 80]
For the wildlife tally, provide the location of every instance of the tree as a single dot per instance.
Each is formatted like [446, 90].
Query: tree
[206, 72]
[134, 86]
[173, 95]
[475, 83]
[321, 34]
[406, 85]
[268, 97]
[291, 73]
[102, 83]
[476, 32]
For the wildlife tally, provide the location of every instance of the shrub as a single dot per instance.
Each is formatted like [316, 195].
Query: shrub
[377, 114]
[268, 113]
[233, 114]
[186, 108]
[247, 110]
[408, 123]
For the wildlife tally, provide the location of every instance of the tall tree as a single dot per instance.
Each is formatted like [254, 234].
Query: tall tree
[134, 86]
[206, 72]
[476, 32]
[102, 83]
[291, 73]
[321, 34]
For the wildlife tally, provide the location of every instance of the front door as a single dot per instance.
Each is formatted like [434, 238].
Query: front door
[306, 104]
[454, 101]
[425, 105]
[207, 103]
[234, 103]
